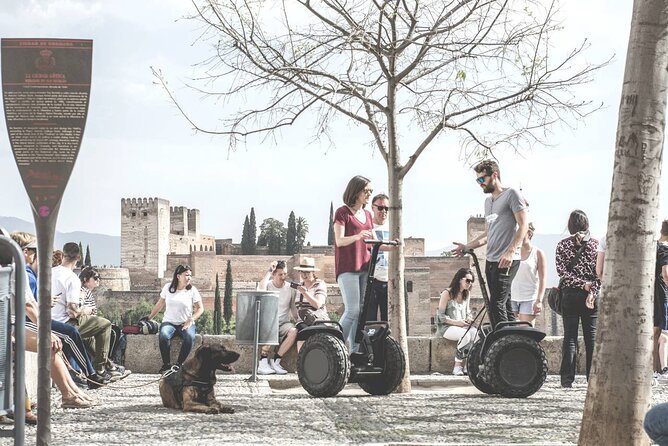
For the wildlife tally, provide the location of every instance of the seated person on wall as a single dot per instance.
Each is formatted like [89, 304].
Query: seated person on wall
[454, 315]
[73, 345]
[66, 285]
[90, 279]
[183, 305]
[274, 280]
[72, 396]
[311, 296]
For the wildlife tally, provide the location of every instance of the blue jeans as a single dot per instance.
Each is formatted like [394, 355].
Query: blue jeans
[352, 289]
[167, 332]
[656, 424]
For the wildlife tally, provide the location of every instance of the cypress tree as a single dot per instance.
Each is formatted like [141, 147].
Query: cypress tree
[217, 311]
[81, 253]
[291, 236]
[252, 232]
[330, 233]
[87, 261]
[227, 299]
[245, 238]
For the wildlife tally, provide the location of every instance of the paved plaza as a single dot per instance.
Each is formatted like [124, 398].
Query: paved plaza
[439, 410]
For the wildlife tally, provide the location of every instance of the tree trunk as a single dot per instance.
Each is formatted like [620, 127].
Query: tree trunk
[619, 388]
[395, 288]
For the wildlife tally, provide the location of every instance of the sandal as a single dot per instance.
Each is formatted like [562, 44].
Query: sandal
[74, 403]
[31, 418]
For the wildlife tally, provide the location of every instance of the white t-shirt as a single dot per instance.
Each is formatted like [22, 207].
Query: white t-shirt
[66, 285]
[285, 298]
[179, 305]
[382, 232]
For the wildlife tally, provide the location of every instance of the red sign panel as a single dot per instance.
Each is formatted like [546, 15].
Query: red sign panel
[45, 92]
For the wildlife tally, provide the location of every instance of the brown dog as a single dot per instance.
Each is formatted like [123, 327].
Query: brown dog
[192, 387]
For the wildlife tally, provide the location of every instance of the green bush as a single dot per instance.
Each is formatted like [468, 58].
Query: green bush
[128, 316]
[204, 323]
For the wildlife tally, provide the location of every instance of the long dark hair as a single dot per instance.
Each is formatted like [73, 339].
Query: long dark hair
[454, 285]
[175, 280]
[355, 186]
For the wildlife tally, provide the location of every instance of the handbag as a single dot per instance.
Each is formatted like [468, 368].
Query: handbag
[555, 299]
[308, 315]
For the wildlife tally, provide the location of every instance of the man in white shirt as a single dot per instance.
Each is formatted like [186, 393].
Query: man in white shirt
[66, 285]
[274, 280]
[380, 205]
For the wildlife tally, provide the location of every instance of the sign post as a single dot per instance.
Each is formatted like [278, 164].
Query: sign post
[45, 92]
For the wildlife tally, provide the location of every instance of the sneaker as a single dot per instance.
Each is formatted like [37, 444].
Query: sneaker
[118, 372]
[79, 381]
[96, 381]
[458, 371]
[164, 368]
[276, 365]
[75, 403]
[264, 368]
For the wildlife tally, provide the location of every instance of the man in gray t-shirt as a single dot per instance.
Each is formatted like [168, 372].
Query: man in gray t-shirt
[506, 224]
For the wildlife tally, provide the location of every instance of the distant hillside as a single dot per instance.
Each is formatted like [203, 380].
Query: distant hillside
[546, 242]
[104, 249]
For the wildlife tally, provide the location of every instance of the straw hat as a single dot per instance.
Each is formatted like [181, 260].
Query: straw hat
[307, 264]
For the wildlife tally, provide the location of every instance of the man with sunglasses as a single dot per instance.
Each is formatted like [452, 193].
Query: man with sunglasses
[380, 205]
[506, 224]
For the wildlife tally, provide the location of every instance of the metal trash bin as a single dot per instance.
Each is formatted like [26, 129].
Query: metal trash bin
[245, 317]
[5, 340]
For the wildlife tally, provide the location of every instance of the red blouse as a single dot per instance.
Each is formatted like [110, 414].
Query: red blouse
[353, 258]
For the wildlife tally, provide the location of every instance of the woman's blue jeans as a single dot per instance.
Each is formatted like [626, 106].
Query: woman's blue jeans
[167, 332]
[352, 289]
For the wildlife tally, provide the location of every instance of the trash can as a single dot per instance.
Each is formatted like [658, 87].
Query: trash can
[245, 317]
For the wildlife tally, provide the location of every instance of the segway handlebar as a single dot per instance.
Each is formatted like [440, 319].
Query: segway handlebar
[381, 242]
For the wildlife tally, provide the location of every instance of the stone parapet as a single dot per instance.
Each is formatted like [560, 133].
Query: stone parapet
[426, 354]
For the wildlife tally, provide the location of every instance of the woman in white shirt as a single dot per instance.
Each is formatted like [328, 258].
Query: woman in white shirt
[183, 305]
[528, 287]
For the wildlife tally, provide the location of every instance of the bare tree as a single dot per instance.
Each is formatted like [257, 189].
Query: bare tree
[406, 70]
[619, 390]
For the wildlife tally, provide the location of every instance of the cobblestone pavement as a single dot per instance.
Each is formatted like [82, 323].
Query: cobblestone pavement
[439, 410]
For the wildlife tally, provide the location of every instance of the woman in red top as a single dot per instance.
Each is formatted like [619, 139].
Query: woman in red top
[352, 225]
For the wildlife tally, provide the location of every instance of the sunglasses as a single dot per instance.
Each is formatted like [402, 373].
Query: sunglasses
[368, 191]
[469, 280]
[96, 277]
[382, 208]
[182, 268]
[481, 179]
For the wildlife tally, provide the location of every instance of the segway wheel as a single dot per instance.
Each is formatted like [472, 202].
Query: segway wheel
[323, 365]
[476, 377]
[393, 371]
[516, 366]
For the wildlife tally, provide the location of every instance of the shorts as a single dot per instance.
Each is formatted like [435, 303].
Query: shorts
[661, 316]
[522, 307]
[283, 330]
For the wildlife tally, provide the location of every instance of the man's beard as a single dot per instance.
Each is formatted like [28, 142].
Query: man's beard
[488, 188]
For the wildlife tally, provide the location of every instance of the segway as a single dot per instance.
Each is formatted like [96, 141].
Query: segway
[324, 366]
[507, 359]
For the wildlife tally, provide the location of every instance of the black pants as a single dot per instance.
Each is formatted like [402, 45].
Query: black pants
[378, 301]
[575, 311]
[498, 281]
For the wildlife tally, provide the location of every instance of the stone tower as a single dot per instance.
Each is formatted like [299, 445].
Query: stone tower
[145, 227]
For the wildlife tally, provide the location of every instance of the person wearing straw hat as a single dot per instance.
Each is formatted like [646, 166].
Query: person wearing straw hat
[311, 296]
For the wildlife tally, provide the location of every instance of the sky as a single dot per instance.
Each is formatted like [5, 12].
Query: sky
[136, 144]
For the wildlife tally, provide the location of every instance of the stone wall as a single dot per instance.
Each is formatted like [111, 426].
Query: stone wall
[426, 355]
[441, 270]
[413, 247]
[114, 279]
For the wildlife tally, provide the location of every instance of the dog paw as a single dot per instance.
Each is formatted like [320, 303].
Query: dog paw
[212, 410]
[226, 409]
